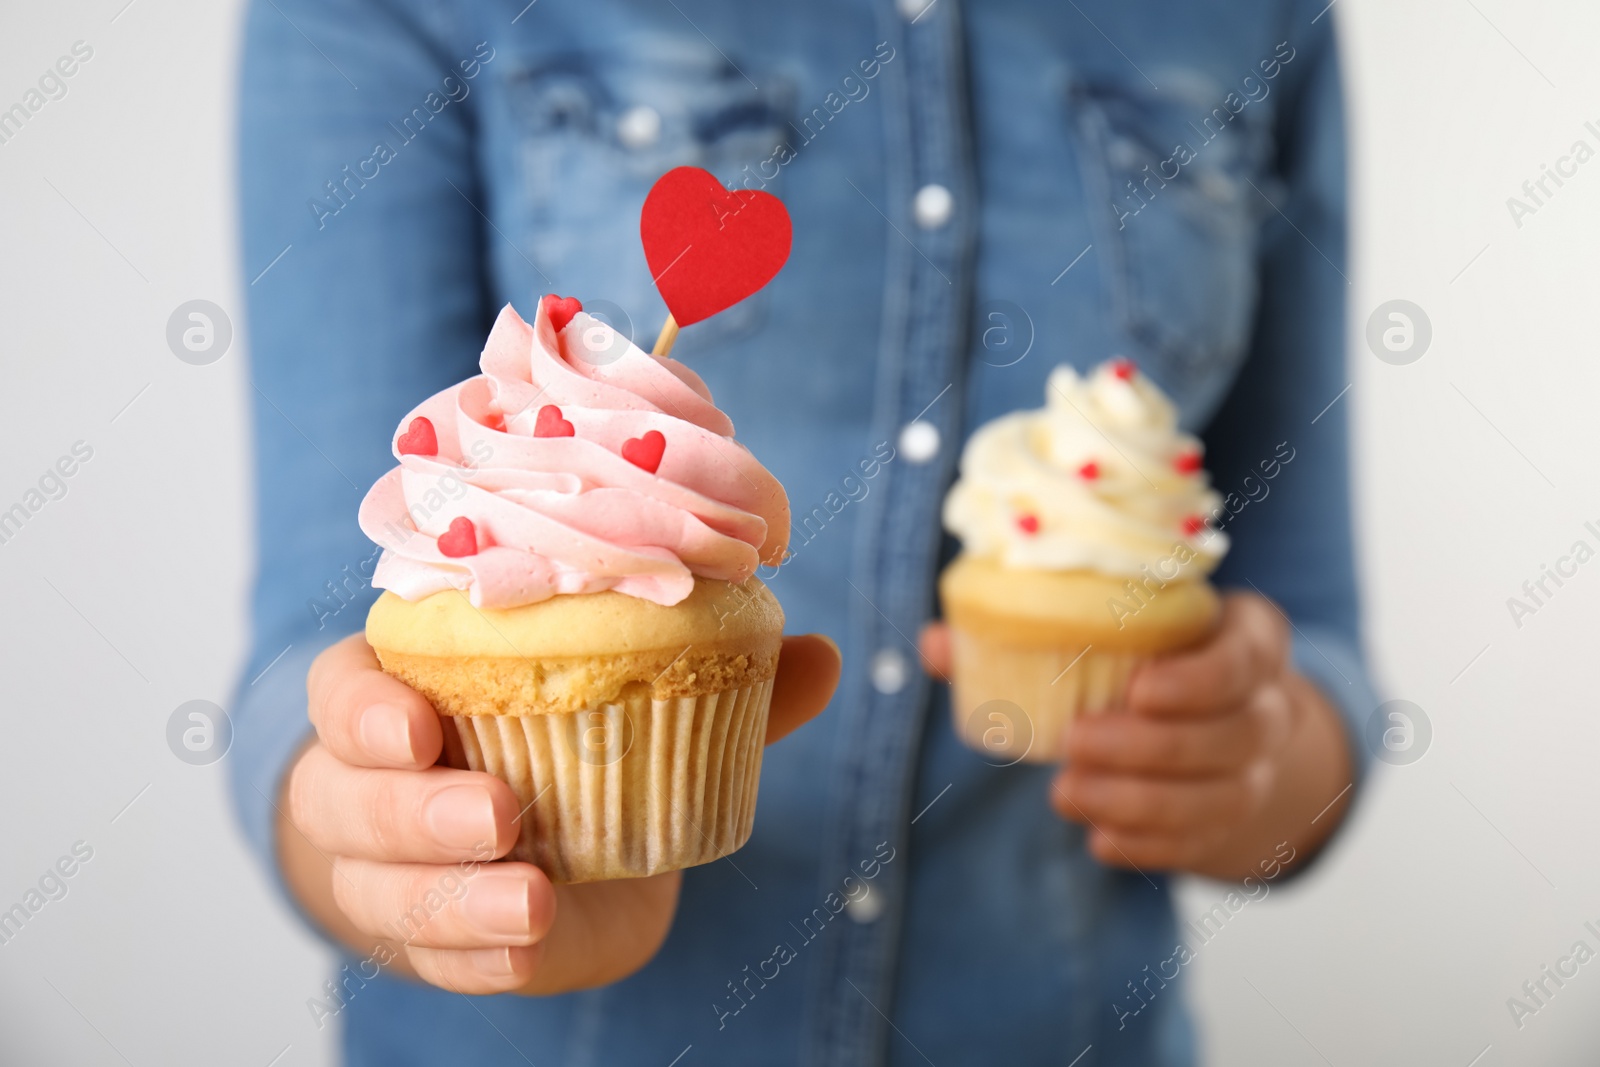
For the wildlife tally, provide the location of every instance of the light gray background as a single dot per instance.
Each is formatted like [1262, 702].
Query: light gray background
[1458, 877]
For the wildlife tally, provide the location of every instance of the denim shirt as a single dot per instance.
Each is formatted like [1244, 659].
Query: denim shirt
[980, 191]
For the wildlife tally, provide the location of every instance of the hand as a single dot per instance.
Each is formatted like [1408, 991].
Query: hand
[388, 851]
[1222, 753]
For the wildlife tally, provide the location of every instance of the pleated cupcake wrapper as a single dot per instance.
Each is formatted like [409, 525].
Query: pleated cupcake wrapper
[1013, 702]
[629, 789]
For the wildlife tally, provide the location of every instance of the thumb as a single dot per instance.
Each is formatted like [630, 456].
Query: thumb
[808, 673]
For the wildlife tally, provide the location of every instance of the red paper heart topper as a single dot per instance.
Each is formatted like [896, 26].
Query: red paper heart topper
[708, 247]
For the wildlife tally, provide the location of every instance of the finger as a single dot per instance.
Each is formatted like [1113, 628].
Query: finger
[1150, 852]
[1151, 805]
[462, 905]
[365, 717]
[934, 644]
[808, 673]
[438, 815]
[1250, 646]
[608, 930]
[476, 971]
[1177, 748]
[1272, 711]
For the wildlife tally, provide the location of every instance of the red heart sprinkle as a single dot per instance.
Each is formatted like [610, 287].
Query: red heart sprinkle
[1089, 471]
[1187, 462]
[1029, 524]
[560, 309]
[645, 452]
[461, 539]
[1193, 525]
[709, 247]
[551, 424]
[419, 439]
[1124, 369]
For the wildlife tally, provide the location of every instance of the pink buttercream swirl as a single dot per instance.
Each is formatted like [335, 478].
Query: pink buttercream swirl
[570, 514]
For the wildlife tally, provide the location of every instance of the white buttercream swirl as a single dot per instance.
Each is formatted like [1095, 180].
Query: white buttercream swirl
[1098, 479]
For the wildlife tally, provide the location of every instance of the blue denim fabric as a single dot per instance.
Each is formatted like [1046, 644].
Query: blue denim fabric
[1075, 235]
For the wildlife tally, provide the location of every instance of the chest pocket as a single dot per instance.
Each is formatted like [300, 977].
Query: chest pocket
[597, 131]
[1178, 218]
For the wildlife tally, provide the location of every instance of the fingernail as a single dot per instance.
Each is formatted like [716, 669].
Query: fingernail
[499, 905]
[385, 731]
[491, 962]
[460, 817]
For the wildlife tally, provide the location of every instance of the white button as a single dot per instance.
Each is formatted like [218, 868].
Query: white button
[889, 671]
[639, 127]
[1216, 186]
[933, 206]
[1124, 154]
[912, 9]
[919, 441]
[864, 909]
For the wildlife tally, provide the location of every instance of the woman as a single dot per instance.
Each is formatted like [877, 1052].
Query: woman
[980, 192]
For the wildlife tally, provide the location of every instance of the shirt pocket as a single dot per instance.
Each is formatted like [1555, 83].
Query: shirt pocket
[596, 131]
[1169, 177]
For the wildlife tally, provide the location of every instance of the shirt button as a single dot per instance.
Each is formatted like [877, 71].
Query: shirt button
[639, 127]
[932, 206]
[919, 441]
[912, 10]
[1216, 186]
[864, 909]
[1124, 154]
[889, 671]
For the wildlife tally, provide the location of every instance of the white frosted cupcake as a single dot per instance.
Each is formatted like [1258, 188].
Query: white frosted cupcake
[1085, 549]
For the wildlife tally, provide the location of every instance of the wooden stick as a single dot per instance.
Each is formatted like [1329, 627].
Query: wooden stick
[666, 338]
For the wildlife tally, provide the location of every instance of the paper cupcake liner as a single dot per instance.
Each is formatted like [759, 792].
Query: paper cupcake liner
[628, 789]
[1013, 702]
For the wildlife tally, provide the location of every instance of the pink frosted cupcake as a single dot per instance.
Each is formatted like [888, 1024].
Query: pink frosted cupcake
[570, 540]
